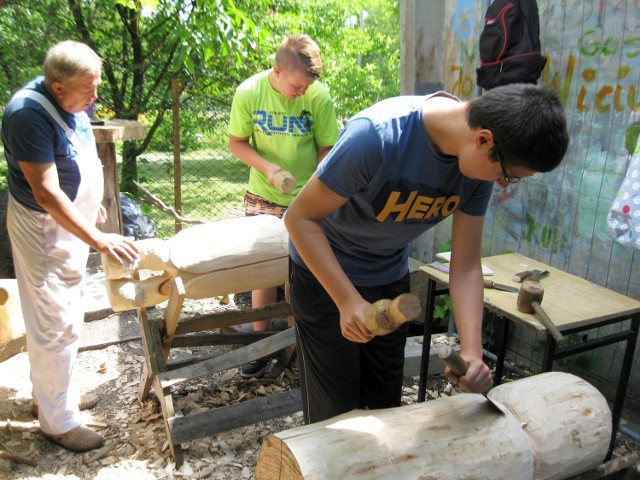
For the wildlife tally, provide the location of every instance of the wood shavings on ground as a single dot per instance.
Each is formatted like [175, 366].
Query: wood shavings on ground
[136, 445]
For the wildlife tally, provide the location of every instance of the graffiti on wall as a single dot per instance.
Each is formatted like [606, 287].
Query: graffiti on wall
[466, 29]
[593, 62]
[590, 92]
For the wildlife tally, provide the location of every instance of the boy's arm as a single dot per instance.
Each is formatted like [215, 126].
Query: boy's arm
[323, 151]
[302, 220]
[242, 148]
[467, 291]
[241, 124]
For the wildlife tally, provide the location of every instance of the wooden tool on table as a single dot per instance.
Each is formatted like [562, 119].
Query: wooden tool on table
[284, 181]
[459, 367]
[385, 316]
[529, 300]
[533, 275]
[498, 286]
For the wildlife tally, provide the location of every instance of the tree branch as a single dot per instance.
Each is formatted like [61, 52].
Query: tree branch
[165, 208]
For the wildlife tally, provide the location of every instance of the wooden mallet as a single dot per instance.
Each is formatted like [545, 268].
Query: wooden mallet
[385, 316]
[529, 299]
[284, 181]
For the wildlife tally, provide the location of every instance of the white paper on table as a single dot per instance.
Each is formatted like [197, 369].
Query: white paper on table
[446, 256]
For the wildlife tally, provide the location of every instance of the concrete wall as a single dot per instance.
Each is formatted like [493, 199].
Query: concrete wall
[593, 52]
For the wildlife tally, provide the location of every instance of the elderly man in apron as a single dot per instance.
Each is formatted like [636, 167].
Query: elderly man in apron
[56, 187]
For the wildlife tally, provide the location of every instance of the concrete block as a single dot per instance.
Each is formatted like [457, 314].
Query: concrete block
[413, 356]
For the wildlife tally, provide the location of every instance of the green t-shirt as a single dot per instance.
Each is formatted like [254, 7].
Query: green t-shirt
[284, 131]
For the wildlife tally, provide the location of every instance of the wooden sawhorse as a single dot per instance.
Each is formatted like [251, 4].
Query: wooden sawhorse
[216, 258]
[159, 337]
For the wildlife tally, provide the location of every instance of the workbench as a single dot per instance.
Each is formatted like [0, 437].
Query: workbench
[573, 303]
[204, 261]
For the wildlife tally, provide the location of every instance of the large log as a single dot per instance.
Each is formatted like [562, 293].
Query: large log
[567, 420]
[12, 335]
[561, 427]
[212, 259]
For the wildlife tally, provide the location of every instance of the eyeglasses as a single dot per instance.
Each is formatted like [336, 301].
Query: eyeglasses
[507, 178]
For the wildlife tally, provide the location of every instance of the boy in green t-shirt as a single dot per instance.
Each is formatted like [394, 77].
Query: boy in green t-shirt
[282, 119]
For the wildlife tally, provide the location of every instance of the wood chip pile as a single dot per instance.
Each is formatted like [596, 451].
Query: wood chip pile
[136, 447]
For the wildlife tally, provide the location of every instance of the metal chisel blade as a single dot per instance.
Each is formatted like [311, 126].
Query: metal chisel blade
[459, 366]
[499, 286]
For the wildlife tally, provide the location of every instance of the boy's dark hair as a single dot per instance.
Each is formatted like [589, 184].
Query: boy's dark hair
[528, 123]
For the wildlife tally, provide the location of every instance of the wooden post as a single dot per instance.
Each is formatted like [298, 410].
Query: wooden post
[106, 137]
[177, 163]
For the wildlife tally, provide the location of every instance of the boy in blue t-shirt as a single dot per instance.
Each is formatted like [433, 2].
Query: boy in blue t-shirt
[398, 168]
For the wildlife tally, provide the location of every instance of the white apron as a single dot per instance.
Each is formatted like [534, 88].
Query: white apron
[50, 265]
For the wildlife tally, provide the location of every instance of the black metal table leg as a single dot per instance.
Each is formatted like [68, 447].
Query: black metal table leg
[426, 339]
[502, 348]
[623, 381]
[549, 353]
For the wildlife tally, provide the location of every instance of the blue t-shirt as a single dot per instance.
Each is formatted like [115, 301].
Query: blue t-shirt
[398, 187]
[30, 134]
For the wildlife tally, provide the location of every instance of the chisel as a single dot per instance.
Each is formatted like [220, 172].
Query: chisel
[459, 367]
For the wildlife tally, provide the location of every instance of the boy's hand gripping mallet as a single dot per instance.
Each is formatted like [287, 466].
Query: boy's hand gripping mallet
[385, 316]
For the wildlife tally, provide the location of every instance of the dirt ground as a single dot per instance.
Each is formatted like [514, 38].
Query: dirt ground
[136, 443]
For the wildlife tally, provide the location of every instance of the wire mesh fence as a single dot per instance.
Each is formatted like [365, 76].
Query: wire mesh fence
[211, 180]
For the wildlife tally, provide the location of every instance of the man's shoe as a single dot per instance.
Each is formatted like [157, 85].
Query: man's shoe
[253, 369]
[87, 402]
[80, 439]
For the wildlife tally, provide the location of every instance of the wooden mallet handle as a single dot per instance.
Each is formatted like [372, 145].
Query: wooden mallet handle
[385, 316]
[453, 360]
[284, 181]
[528, 301]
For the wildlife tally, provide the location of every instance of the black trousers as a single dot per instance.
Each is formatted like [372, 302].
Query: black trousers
[336, 374]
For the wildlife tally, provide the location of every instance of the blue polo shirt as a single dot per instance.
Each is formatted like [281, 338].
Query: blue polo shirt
[30, 134]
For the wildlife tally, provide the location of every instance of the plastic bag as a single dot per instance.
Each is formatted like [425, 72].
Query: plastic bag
[623, 220]
[135, 223]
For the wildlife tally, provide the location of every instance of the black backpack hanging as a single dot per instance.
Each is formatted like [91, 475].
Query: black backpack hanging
[509, 49]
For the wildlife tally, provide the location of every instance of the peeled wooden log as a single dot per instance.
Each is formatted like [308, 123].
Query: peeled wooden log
[12, 334]
[561, 426]
[567, 420]
[212, 259]
[11, 321]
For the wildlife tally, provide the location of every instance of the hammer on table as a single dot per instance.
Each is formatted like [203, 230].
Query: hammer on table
[529, 299]
[385, 316]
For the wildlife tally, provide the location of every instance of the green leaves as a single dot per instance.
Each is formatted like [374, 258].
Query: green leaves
[209, 45]
[138, 4]
[631, 135]
[359, 42]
